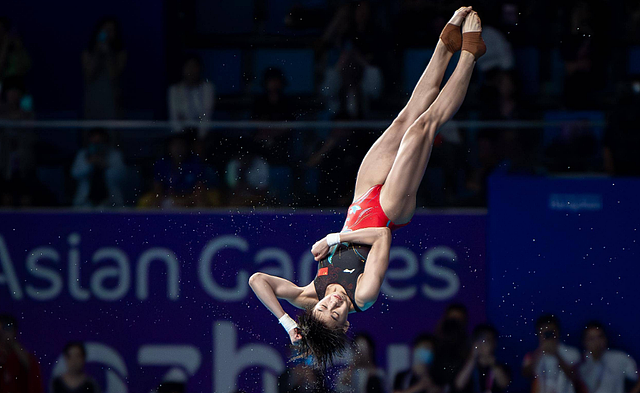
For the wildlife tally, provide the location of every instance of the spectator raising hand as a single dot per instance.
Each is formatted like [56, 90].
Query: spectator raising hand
[550, 365]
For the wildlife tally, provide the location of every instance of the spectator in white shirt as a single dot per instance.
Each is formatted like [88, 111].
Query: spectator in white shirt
[99, 170]
[191, 99]
[550, 366]
[605, 370]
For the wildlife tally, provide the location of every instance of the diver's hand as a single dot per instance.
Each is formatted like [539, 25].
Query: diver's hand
[295, 336]
[320, 249]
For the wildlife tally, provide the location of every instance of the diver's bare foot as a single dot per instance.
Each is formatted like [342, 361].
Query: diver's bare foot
[459, 16]
[472, 36]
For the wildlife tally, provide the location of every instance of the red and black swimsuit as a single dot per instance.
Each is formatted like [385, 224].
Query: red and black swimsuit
[346, 262]
[366, 212]
[342, 266]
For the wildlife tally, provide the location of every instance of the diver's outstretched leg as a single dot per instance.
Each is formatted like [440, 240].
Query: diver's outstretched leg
[398, 195]
[377, 163]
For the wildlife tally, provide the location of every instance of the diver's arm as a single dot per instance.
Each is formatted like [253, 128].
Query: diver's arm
[375, 268]
[366, 236]
[271, 288]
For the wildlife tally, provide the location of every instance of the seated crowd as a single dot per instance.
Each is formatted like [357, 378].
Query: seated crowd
[446, 361]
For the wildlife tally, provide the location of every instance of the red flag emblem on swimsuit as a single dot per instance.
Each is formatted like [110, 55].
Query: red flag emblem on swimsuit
[323, 272]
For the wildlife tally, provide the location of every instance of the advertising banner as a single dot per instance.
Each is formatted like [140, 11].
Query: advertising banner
[159, 296]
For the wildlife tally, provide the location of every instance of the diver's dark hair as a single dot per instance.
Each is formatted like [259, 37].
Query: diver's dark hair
[322, 343]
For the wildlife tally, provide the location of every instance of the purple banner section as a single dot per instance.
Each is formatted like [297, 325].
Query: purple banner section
[165, 296]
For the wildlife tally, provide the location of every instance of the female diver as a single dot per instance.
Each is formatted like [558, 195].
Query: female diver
[385, 199]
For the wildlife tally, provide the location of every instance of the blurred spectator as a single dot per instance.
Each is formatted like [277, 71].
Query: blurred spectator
[193, 98]
[74, 379]
[301, 377]
[274, 105]
[497, 92]
[14, 59]
[103, 63]
[605, 370]
[585, 51]
[180, 178]
[356, 78]
[447, 156]
[17, 159]
[622, 138]
[337, 158]
[457, 312]
[482, 373]
[490, 154]
[15, 104]
[452, 345]
[362, 376]
[99, 170]
[550, 366]
[19, 369]
[418, 378]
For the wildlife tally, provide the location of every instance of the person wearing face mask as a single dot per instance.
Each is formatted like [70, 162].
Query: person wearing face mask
[362, 375]
[74, 379]
[482, 373]
[99, 171]
[418, 378]
[551, 366]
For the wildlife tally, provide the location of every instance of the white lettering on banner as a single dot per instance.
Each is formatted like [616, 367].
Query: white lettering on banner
[75, 287]
[409, 270]
[44, 273]
[184, 361]
[446, 274]
[8, 275]
[173, 272]
[230, 361]
[121, 273]
[276, 254]
[110, 283]
[112, 362]
[205, 273]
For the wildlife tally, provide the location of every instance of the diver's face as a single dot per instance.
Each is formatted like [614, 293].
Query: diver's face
[333, 310]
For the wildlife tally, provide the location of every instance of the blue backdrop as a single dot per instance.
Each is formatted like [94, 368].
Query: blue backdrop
[563, 246]
[165, 295]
